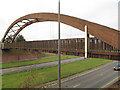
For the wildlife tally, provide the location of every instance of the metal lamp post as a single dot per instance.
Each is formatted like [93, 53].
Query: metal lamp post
[59, 46]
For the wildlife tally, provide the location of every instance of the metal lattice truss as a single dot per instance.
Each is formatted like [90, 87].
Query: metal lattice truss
[17, 27]
[106, 34]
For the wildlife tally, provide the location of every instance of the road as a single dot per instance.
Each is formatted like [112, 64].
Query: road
[36, 66]
[99, 77]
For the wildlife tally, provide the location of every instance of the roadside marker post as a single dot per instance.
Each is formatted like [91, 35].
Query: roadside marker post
[86, 42]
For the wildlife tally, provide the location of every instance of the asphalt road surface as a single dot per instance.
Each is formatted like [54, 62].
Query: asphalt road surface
[37, 66]
[99, 77]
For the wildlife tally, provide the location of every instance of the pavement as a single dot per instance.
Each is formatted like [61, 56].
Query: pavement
[37, 66]
[100, 77]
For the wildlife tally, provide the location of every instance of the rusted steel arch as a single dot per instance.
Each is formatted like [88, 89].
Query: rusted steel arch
[106, 34]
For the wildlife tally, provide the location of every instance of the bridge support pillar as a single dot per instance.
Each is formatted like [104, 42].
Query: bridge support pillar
[0, 67]
[1, 45]
[86, 41]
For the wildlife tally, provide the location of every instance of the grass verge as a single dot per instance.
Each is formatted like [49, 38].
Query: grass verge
[39, 76]
[37, 61]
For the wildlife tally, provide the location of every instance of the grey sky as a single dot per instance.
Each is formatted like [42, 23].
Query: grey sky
[103, 12]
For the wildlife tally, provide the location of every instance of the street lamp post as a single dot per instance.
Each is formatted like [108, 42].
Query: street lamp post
[59, 46]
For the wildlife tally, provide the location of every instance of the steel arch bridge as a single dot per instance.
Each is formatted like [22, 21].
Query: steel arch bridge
[106, 34]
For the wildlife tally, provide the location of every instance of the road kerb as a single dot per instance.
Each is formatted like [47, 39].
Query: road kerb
[110, 83]
[52, 83]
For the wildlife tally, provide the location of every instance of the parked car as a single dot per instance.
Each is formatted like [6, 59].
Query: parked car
[117, 67]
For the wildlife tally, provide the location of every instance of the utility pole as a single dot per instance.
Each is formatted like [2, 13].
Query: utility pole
[59, 47]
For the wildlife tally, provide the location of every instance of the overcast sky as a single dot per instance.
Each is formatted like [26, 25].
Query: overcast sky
[103, 12]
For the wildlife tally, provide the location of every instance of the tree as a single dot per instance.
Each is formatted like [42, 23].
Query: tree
[8, 39]
[19, 38]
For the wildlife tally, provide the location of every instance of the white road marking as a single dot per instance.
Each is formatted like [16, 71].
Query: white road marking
[76, 85]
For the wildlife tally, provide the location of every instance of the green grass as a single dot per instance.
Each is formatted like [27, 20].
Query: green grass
[37, 61]
[43, 75]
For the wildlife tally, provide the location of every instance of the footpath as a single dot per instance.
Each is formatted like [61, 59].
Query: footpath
[37, 66]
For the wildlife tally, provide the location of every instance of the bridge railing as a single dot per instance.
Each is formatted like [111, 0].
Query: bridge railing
[76, 44]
